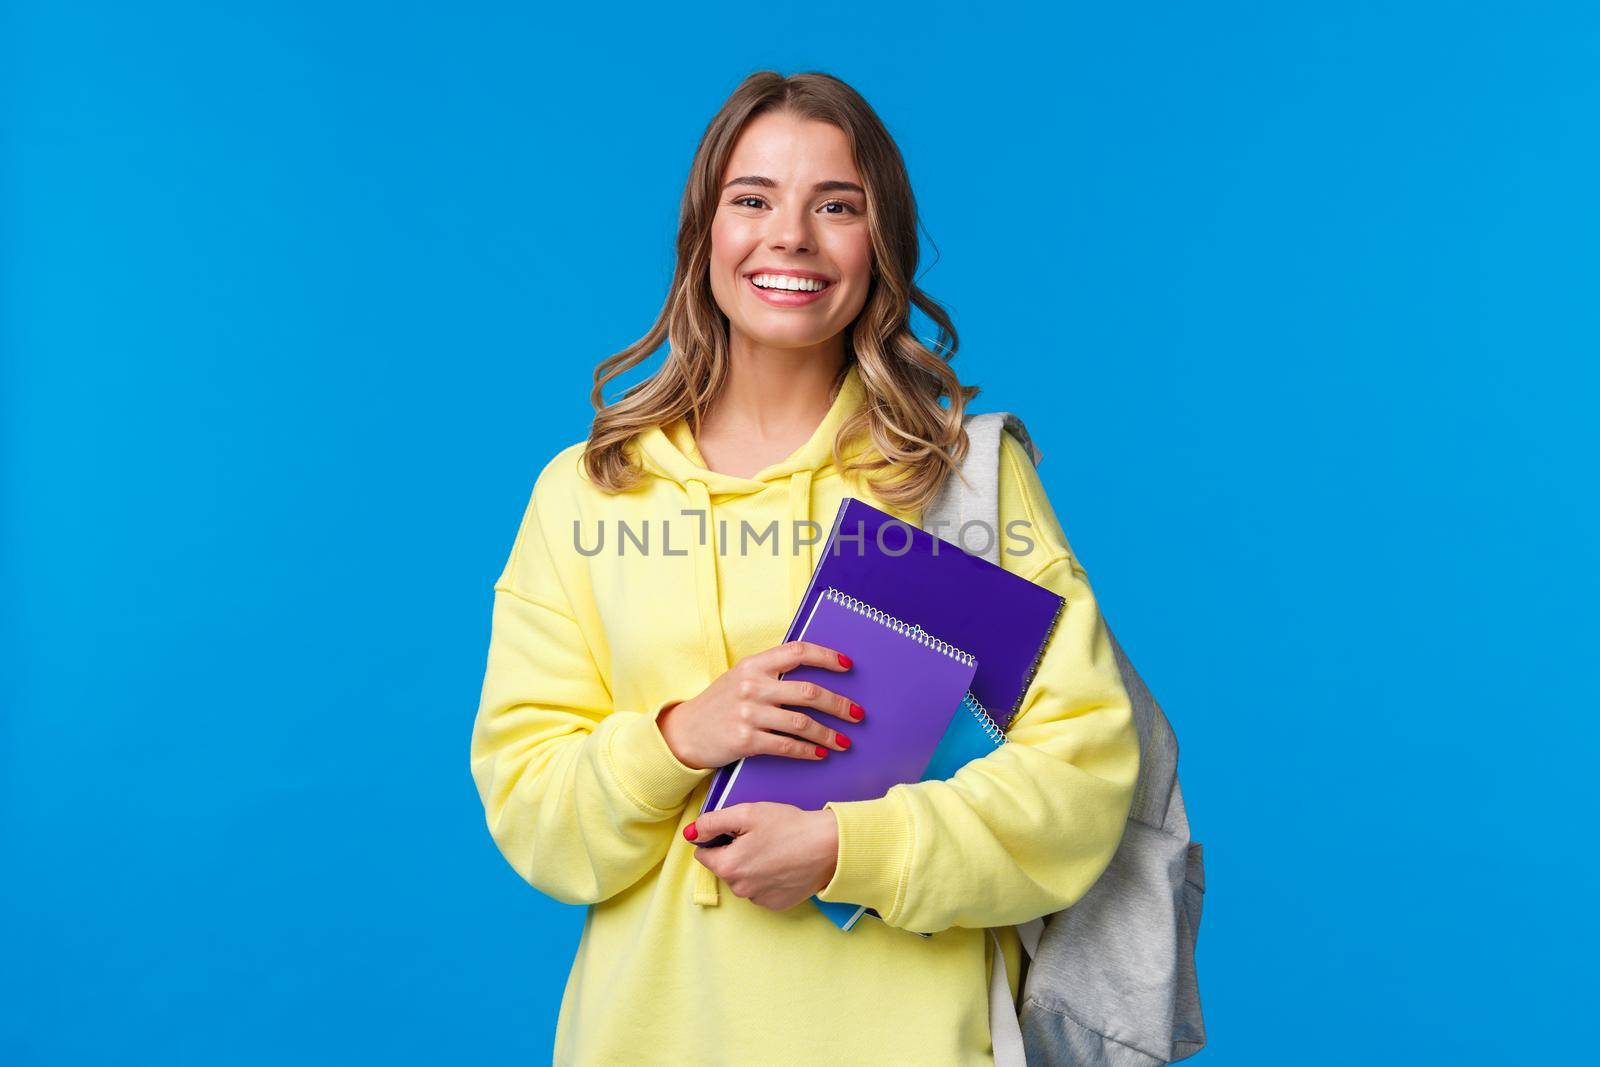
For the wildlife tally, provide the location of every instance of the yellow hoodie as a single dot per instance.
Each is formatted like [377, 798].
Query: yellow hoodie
[588, 804]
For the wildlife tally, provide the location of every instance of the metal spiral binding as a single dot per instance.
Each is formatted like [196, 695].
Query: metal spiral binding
[978, 712]
[911, 630]
[1038, 657]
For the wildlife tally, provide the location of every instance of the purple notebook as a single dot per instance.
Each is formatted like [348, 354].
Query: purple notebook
[1000, 619]
[911, 684]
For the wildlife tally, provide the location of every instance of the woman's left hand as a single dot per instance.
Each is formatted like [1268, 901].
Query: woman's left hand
[781, 854]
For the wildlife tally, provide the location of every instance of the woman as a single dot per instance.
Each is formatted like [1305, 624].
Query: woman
[637, 633]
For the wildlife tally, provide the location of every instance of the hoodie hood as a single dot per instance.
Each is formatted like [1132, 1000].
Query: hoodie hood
[669, 452]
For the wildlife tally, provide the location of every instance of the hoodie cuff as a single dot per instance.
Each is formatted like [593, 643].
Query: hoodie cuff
[646, 767]
[874, 854]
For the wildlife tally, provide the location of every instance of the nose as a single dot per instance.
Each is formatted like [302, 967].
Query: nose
[790, 229]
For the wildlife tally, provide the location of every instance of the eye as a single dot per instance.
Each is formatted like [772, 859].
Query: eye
[739, 201]
[851, 208]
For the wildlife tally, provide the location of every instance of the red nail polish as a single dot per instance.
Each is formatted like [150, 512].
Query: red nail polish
[844, 660]
[690, 832]
[857, 712]
[844, 742]
[821, 752]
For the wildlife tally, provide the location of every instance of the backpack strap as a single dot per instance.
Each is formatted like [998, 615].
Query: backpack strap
[1126, 915]
[1005, 1029]
[971, 494]
[1153, 800]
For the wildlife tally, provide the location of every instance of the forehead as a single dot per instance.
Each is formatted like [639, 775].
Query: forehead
[791, 150]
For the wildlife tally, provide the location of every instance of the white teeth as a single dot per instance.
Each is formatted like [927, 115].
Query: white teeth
[790, 282]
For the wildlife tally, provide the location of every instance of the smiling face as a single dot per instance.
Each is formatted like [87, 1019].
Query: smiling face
[791, 255]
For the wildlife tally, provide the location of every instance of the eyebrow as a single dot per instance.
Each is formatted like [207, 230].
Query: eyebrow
[820, 187]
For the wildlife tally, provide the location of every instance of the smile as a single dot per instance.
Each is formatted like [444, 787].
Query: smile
[786, 290]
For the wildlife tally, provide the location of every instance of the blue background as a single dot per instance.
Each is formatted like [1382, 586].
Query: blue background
[1299, 301]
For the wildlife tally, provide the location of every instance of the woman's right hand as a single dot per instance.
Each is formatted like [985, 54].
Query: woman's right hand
[739, 715]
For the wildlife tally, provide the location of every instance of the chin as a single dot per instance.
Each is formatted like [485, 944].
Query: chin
[786, 329]
[788, 339]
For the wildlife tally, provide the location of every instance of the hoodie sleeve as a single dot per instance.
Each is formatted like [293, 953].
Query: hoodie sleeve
[581, 797]
[1025, 830]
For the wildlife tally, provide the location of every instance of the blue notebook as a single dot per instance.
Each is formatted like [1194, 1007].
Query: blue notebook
[971, 734]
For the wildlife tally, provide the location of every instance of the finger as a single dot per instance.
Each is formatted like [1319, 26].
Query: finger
[811, 695]
[733, 819]
[799, 724]
[764, 742]
[791, 654]
[713, 860]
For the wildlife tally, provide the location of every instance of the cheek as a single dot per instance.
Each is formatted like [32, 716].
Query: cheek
[726, 255]
[852, 255]
[730, 243]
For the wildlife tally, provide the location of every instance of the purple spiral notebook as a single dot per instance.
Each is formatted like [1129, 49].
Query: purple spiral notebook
[999, 618]
[911, 684]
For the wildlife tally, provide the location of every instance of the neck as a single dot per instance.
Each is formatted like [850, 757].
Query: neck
[776, 392]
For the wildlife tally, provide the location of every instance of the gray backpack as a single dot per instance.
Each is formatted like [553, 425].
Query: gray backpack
[1109, 981]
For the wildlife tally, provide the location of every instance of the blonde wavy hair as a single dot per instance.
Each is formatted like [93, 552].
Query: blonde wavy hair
[918, 442]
